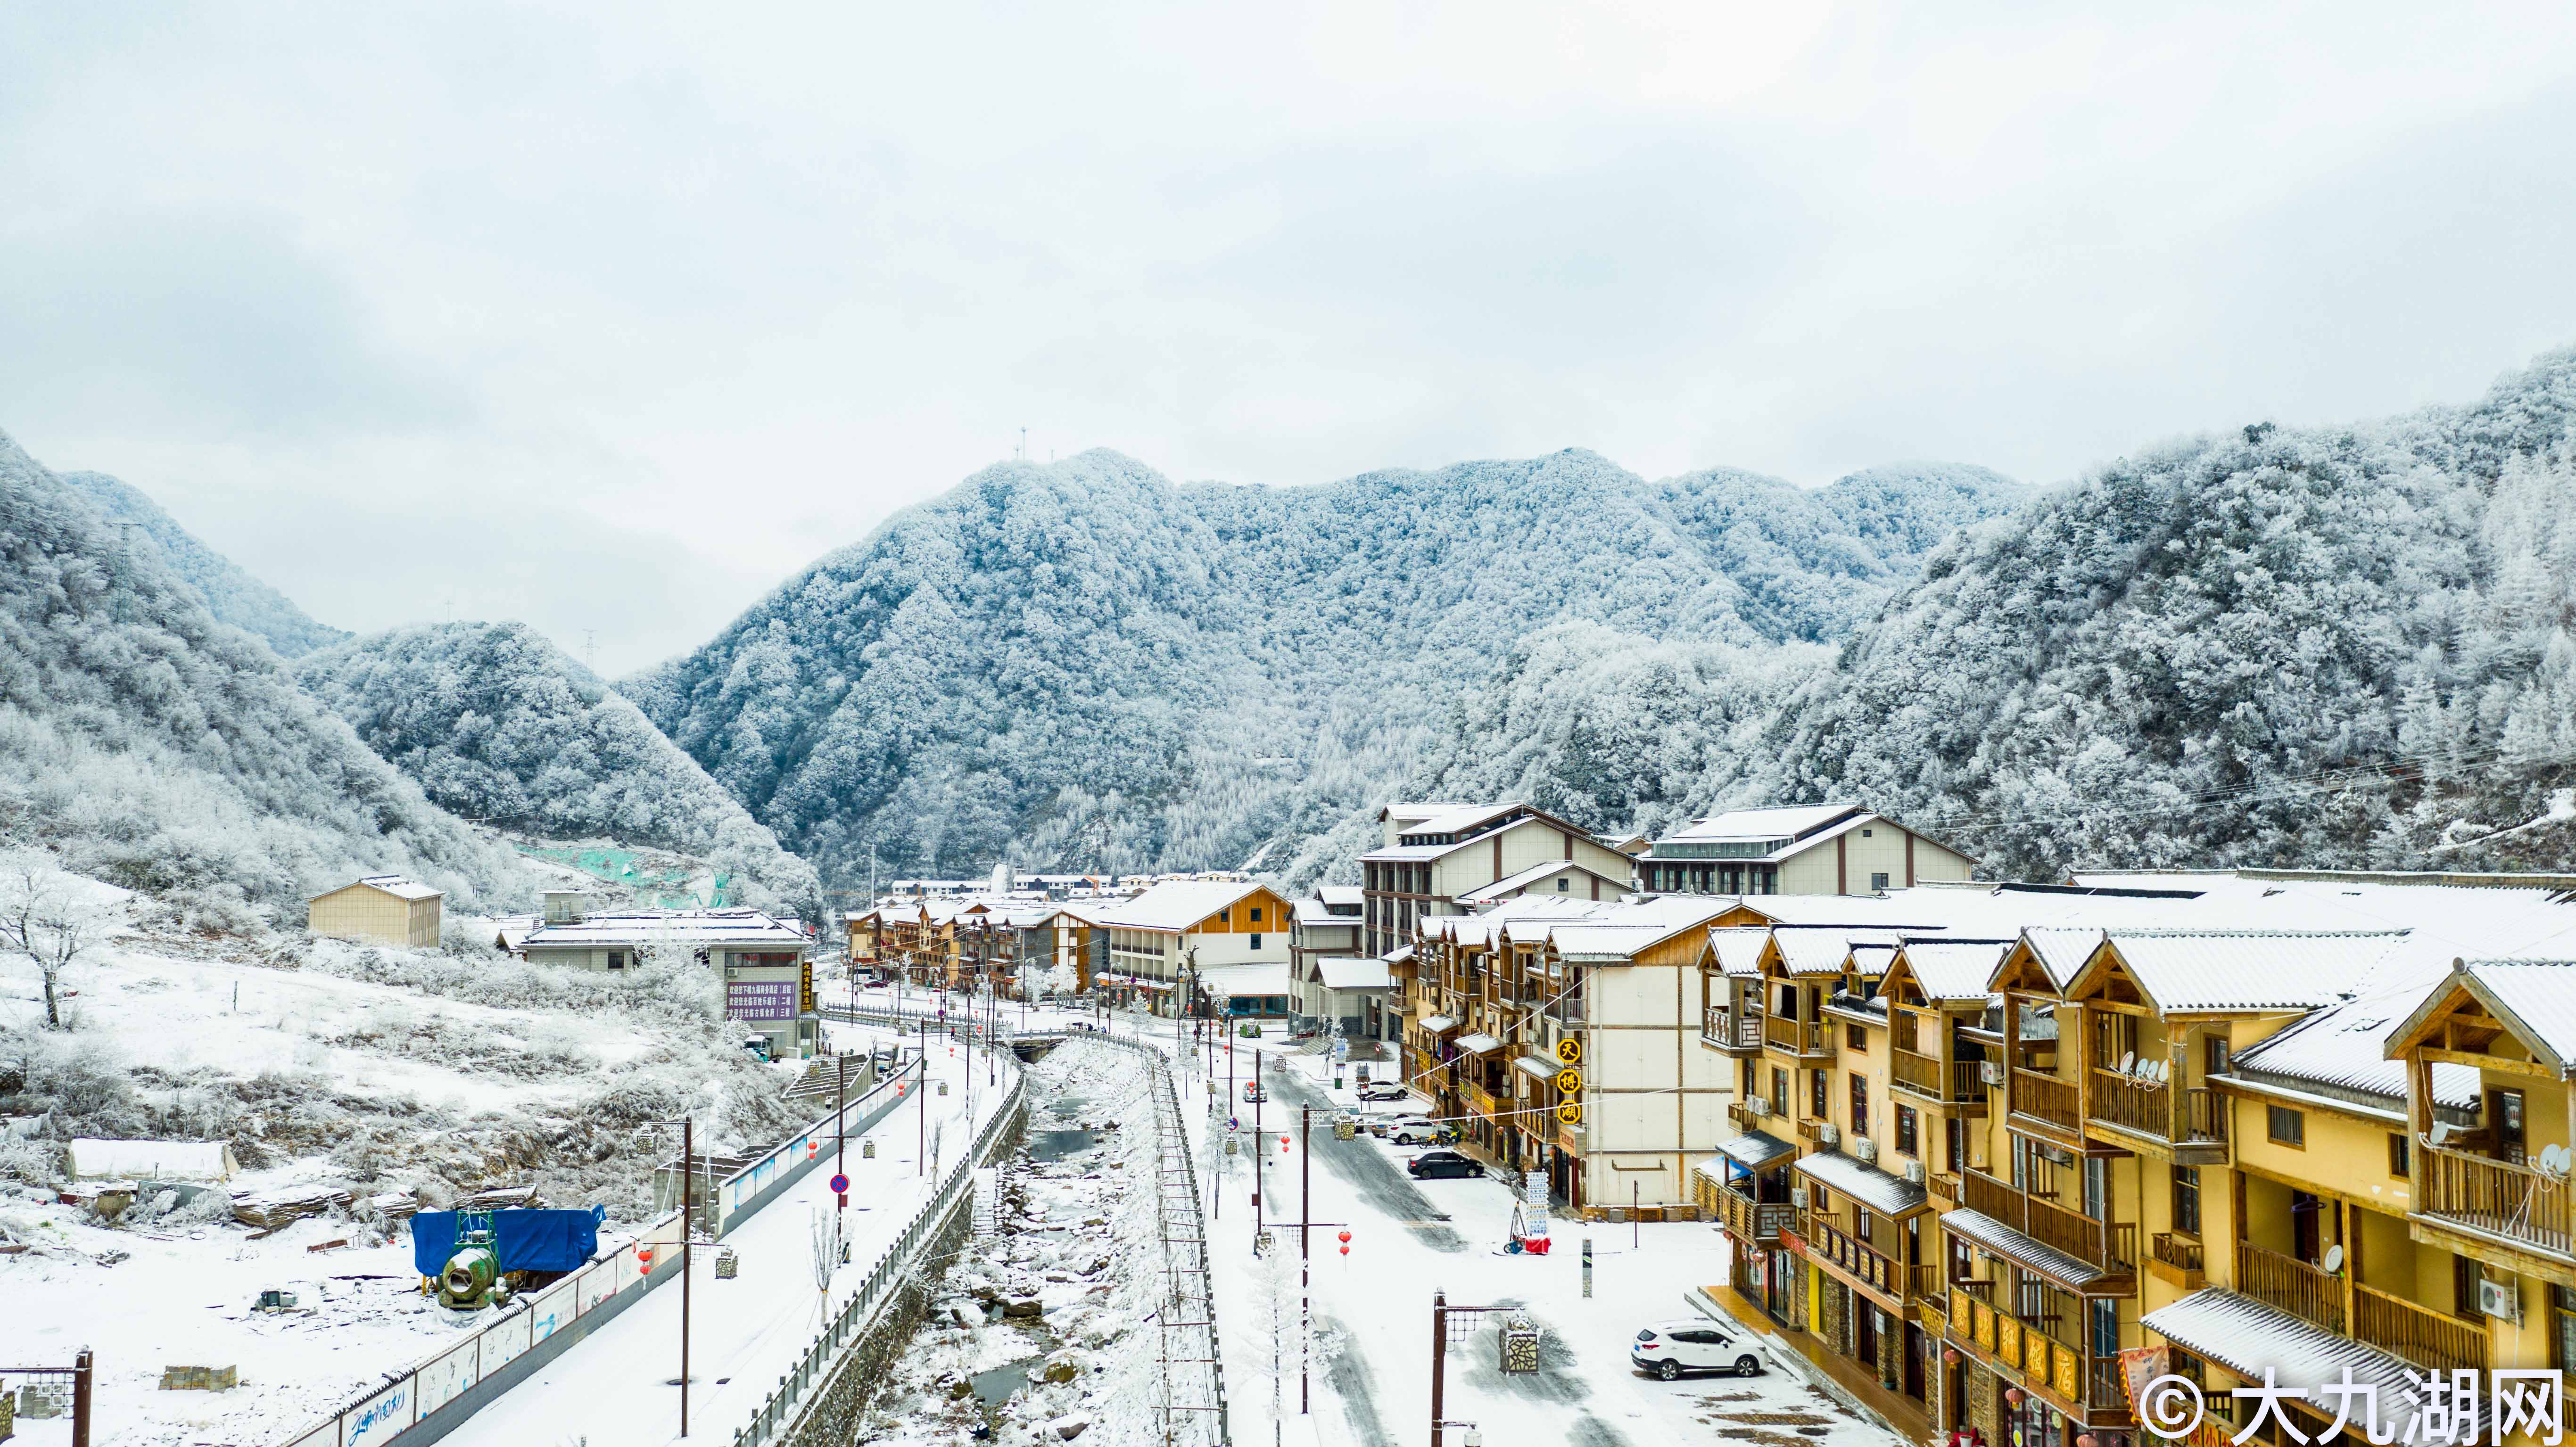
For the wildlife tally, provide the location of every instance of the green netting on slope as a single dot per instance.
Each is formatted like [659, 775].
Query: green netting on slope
[665, 889]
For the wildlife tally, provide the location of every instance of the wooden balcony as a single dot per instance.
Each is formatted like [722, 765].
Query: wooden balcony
[2497, 1198]
[1478, 1099]
[1858, 1259]
[2090, 1384]
[1922, 1075]
[1724, 1029]
[2177, 1259]
[2304, 1291]
[1750, 1220]
[1805, 1038]
[2425, 1337]
[2191, 1124]
[2046, 1099]
[2107, 1246]
[1943, 1187]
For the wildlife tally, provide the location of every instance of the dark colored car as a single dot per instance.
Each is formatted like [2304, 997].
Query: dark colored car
[1441, 1163]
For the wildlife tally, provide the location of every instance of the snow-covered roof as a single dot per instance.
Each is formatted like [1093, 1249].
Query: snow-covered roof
[1788, 821]
[1954, 971]
[1984, 1230]
[1536, 1066]
[1226, 981]
[2061, 950]
[1317, 914]
[2246, 1337]
[1738, 949]
[2344, 1048]
[2243, 970]
[1872, 958]
[1754, 1149]
[1888, 1195]
[1452, 820]
[1408, 813]
[1349, 894]
[1479, 1043]
[1533, 875]
[748, 927]
[393, 884]
[1346, 972]
[1439, 1024]
[1173, 907]
[1400, 955]
[1822, 950]
[2539, 997]
[106, 1160]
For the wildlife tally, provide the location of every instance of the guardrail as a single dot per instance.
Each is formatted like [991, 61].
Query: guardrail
[438, 1393]
[892, 1270]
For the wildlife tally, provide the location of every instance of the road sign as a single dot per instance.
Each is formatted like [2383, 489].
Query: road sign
[1569, 1051]
[840, 1183]
[1570, 1081]
[1587, 1267]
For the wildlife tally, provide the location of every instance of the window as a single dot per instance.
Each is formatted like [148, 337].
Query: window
[1908, 1132]
[1878, 880]
[617, 959]
[2562, 1328]
[1256, 941]
[1225, 916]
[1256, 914]
[1816, 1094]
[2285, 1126]
[1855, 1038]
[1865, 834]
[1956, 1131]
[2401, 1156]
[2213, 1058]
[1859, 1103]
[1561, 883]
[2464, 1290]
[2186, 1200]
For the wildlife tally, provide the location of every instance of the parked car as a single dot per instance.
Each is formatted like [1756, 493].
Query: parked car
[1418, 1132]
[1669, 1348]
[1441, 1163]
[1252, 1091]
[1385, 1090]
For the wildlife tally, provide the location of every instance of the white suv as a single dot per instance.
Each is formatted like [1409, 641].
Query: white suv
[1669, 1348]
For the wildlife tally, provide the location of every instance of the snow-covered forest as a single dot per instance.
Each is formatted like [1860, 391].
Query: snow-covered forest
[229, 591]
[502, 727]
[146, 743]
[1083, 664]
[2337, 647]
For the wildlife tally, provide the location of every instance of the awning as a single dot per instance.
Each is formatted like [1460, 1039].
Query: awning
[1398, 955]
[2072, 1272]
[1438, 1024]
[1537, 1065]
[1478, 1044]
[1226, 982]
[1887, 1195]
[2245, 1336]
[1753, 1150]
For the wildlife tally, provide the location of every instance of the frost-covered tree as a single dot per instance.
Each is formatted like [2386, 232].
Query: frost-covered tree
[48, 921]
[501, 726]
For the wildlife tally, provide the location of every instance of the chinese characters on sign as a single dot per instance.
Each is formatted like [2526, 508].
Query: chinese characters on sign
[2433, 1409]
[760, 1000]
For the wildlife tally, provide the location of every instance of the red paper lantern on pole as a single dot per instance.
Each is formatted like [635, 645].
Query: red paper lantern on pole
[1950, 1356]
[1346, 1238]
[2013, 1395]
[1346, 1251]
[644, 1257]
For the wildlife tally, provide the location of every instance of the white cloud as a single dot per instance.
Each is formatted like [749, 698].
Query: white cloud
[636, 311]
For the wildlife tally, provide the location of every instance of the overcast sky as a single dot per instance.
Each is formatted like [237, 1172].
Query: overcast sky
[609, 320]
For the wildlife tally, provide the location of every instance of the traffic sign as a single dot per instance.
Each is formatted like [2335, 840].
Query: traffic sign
[840, 1184]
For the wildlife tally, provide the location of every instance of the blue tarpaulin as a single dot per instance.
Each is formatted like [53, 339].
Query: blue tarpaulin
[522, 1240]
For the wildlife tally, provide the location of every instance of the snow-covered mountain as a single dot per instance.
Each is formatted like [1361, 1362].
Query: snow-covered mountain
[500, 726]
[1084, 664]
[2337, 647]
[155, 747]
[231, 594]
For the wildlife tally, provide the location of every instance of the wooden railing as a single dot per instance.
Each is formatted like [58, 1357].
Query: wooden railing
[1727, 1030]
[2515, 1202]
[1753, 1220]
[1924, 1076]
[2293, 1285]
[2045, 1097]
[2179, 1252]
[1942, 1186]
[2103, 1389]
[1924, 1283]
[1798, 1037]
[2425, 1337]
[2110, 1246]
[1864, 1261]
[2167, 1114]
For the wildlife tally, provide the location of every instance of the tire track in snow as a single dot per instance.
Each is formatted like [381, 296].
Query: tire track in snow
[1366, 1168]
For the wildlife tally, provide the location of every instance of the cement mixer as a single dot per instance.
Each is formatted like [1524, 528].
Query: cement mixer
[474, 1259]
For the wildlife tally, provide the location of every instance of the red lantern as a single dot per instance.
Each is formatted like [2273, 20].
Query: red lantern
[2013, 1395]
[644, 1257]
[1346, 1251]
[1950, 1356]
[811, 1147]
[1346, 1238]
[1283, 1143]
[2087, 1439]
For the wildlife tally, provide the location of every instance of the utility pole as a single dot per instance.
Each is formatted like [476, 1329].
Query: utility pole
[1258, 1142]
[1439, 1361]
[1305, 1218]
[840, 1141]
[688, 1244]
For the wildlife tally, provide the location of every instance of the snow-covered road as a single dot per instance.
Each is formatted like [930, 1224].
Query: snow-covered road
[622, 1384]
[1410, 1238]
